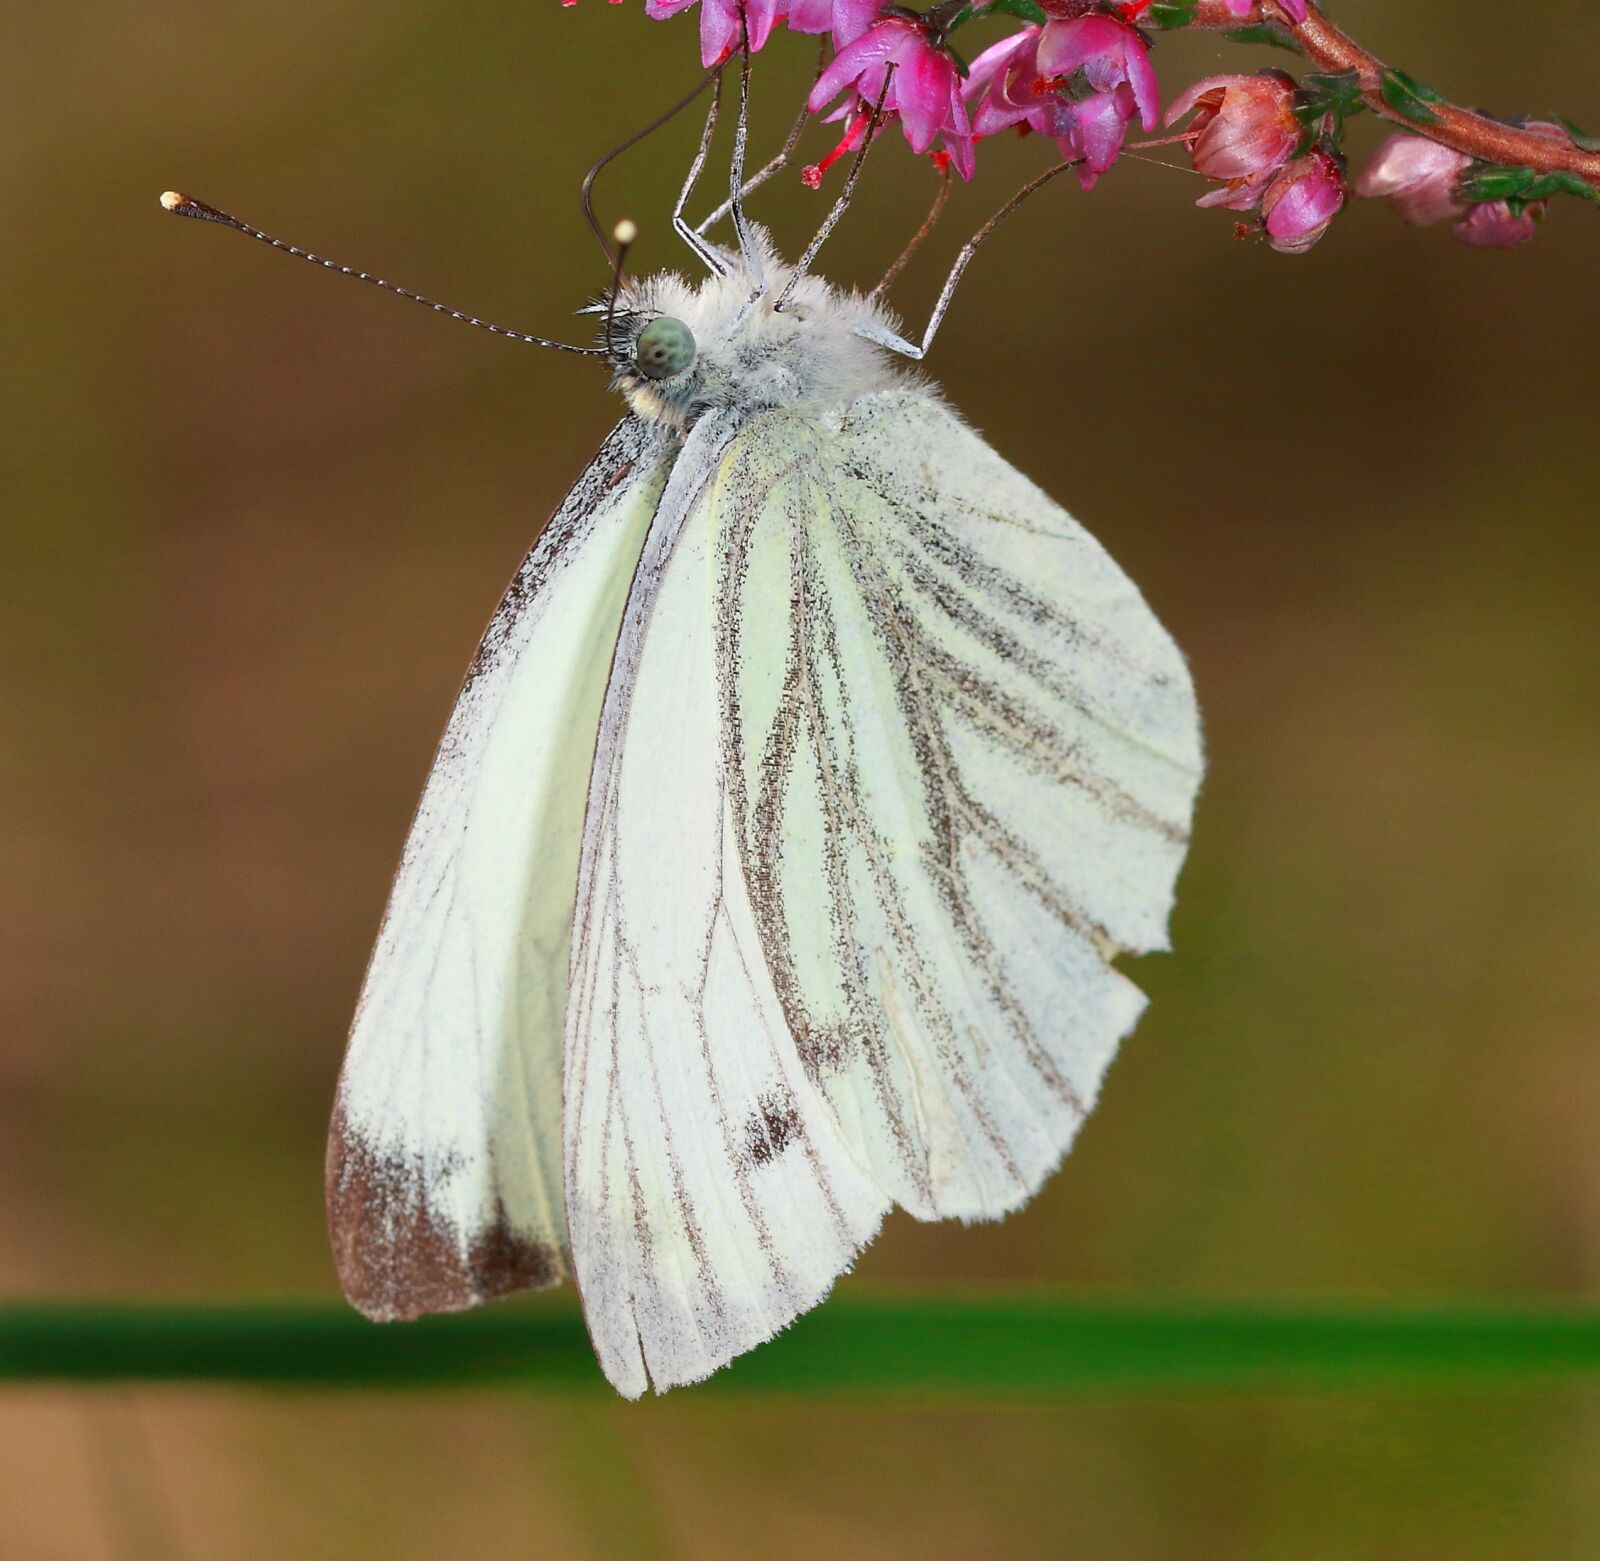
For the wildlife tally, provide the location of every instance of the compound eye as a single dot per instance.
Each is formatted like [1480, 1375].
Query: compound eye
[665, 347]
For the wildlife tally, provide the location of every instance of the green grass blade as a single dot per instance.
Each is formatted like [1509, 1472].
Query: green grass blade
[1004, 1347]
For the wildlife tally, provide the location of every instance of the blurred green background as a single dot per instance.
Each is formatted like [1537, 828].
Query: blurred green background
[254, 519]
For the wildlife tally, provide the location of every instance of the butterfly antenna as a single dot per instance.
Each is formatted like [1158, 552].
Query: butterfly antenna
[891, 275]
[623, 236]
[586, 189]
[868, 128]
[188, 206]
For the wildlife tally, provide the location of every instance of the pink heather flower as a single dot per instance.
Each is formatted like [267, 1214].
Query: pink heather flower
[1020, 80]
[1243, 125]
[925, 89]
[1494, 225]
[1422, 182]
[1295, 10]
[720, 31]
[1003, 79]
[1419, 178]
[1301, 201]
[845, 19]
[1115, 61]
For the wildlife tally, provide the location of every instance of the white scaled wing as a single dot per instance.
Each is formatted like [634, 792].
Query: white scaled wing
[894, 762]
[963, 757]
[444, 1169]
[710, 1196]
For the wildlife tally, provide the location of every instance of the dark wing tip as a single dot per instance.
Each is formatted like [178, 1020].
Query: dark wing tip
[397, 1260]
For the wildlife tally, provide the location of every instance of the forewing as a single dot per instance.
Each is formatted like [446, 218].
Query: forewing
[710, 1194]
[444, 1169]
[960, 786]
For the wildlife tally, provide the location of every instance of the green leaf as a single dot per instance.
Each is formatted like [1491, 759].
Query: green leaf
[1579, 139]
[1561, 182]
[1173, 14]
[1263, 32]
[969, 1349]
[1409, 97]
[1320, 95]
[1494, 182]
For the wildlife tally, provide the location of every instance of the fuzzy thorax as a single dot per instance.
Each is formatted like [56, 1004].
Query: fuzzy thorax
[749, 357]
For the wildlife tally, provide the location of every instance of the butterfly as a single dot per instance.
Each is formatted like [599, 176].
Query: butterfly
[807, 783]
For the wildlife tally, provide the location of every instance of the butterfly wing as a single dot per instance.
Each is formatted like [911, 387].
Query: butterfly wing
[894, 762]
[961, 775]
[444, 1174]
[710, 1195]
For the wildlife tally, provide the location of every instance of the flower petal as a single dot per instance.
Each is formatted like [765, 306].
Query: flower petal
[761, 16]
[1100, 124]
[808, 16]
[1085, 41]
[1492, 225]
[851, 18]
[867, 53]
[962, 159]
[1189, 100]
[995, 61]
[924, 83]
[720, 32]
[1142, 78]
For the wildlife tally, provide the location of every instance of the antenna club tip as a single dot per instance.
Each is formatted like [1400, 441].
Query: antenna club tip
[625, 231]
[171, 200]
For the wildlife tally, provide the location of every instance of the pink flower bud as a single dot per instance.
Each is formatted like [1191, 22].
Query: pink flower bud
[1419, 178]
[1242, 125]
[1301, 201]
[1494, 225]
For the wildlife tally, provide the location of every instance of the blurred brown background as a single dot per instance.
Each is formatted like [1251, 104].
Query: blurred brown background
[255, 517]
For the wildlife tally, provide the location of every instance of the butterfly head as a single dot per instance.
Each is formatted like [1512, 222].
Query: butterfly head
[679, 350]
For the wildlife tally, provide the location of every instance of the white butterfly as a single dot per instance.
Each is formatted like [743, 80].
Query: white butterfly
[810, 777]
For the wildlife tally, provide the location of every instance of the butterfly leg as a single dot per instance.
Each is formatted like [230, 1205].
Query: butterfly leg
[756, 180]
[741, 136]
[842, 204]
[897, 343]
[706, 253]
[904, 259]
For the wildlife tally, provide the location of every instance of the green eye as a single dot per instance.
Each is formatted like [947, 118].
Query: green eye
[665, 347]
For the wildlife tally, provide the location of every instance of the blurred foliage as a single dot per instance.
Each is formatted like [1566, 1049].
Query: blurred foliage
[255, 517]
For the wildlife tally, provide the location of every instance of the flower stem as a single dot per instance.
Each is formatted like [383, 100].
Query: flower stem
[1334, 50]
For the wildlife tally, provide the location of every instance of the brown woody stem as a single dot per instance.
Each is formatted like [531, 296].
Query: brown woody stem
[1334, 50]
